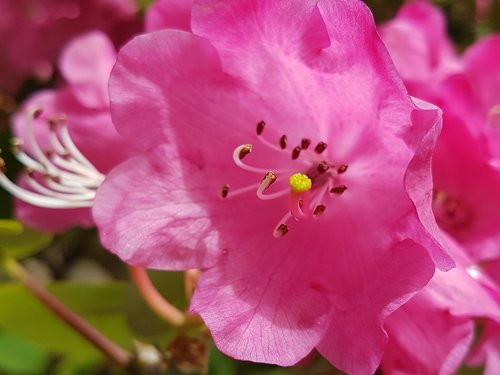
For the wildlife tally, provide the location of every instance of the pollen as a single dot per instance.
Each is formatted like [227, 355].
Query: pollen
[300, 183]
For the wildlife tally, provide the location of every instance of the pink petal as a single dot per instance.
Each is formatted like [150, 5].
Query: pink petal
[169, 14]
[425, 339]
[355, 322]
[86, 64]
[418, 43]
[481, 65]
[487, 350]
[262, 307]
[187, 95]
[148, 218]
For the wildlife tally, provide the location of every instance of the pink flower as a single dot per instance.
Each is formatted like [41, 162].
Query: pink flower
[78, 111]
[417, 41]
[33, 32]
[432, 333]
[284, 157]
[487, 350]
[466, 166]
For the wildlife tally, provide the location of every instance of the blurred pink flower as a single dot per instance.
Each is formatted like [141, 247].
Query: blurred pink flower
[33, 32]
[433, 332]
[81, 109]
[466, 167]
[258, 93]
[487, 350]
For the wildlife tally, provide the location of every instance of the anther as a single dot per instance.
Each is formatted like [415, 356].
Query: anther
[305, 143]
[260, 127]
[37, 113]
[296, 152]
[318, 211]
[268, 180]
[244, 151]
[2, 165]
[224, 191]
[280, 231]
[322, 167]
[339, 189]
[320, 147]
[342, 168]
[16, 145]
[283, 141]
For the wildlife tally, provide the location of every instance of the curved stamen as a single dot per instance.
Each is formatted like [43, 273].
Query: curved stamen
[38, 199]
[68, 179]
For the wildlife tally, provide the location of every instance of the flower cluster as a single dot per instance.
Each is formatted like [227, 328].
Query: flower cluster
[335, 183]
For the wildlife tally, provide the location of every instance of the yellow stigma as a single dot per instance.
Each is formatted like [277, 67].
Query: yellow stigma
[300, 183]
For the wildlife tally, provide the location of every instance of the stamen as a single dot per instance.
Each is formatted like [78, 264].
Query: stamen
[305, 143]
[322, 167]
[280, 231]
[319, 210]
[267, 181]
[66, 179]
[296, 152]
[320, 147]
[339, 189]
[224, 191]
[260, 127]
[283, 141]
[342, 168]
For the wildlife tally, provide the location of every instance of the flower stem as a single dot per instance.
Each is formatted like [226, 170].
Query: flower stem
[155, 300]
[114, 352]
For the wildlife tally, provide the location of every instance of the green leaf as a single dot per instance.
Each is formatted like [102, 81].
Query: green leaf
[20, 356]
[10, 228]
[20, 242]
[220, 364]
[102, 305]
[144, 322]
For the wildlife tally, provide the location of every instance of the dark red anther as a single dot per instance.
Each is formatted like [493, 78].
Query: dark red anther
[296, 152]
[283, 140]
[322, 167]
[260, 127]
[305, 143]
[320, 147]
[339, 189]
[318, 211]
[342, 168]
[224, 191]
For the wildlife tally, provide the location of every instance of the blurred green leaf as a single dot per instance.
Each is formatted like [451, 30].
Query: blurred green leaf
[144, 4]
[470, 371]
[102, 305]
[19, 356]
[10, 228]
[144, 322]
[220, 364]
[20, 242]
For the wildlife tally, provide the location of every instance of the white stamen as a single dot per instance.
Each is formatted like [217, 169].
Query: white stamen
[68, 179]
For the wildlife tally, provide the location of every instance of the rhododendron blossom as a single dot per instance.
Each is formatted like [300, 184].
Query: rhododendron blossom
[465, 164]
[433, 332]
[33, 32]
[284, 158]
[66, 140]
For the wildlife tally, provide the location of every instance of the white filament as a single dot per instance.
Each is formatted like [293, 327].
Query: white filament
[66, 179]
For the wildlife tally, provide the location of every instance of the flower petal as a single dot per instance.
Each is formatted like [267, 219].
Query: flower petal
[169, 14]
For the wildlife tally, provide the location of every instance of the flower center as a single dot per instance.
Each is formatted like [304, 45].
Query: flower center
[312, 180]
[451, 213]
[58, 177]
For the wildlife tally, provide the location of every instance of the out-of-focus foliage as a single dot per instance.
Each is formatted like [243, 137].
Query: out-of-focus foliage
[101, 304]
[19, 356]
[17, 241]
